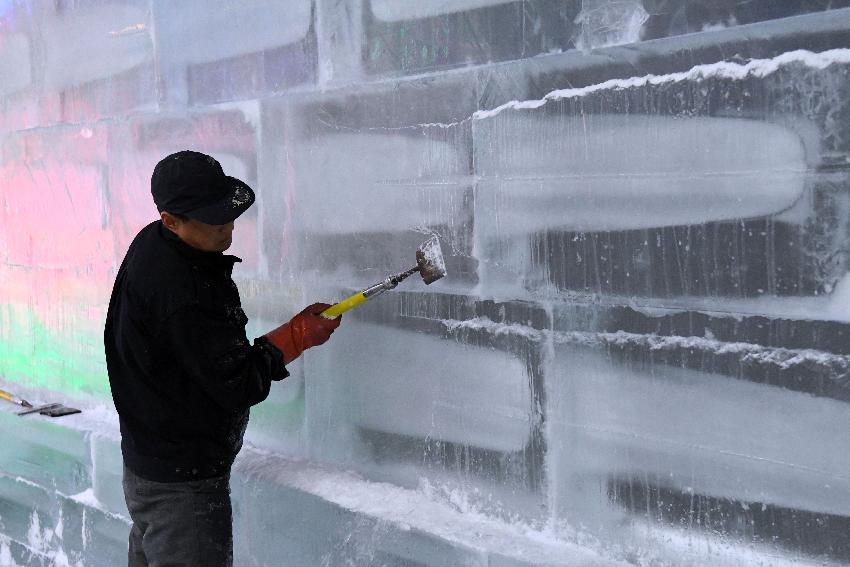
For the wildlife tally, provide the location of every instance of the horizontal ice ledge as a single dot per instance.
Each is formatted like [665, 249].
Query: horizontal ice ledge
[394, 523]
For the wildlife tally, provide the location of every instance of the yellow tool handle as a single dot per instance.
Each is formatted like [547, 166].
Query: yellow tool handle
[338, 309]
[14, 399]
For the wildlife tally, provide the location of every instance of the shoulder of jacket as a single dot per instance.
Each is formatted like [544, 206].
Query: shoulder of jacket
[159, 277]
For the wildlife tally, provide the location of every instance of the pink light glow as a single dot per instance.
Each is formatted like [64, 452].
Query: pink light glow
[53, 194]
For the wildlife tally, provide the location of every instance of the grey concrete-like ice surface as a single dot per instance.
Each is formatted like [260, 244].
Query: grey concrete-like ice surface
[640, 354]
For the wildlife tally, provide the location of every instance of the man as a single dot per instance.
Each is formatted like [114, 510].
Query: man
[181, 369]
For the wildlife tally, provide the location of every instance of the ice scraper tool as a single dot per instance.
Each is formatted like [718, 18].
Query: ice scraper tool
[429, 264]
[50, 410]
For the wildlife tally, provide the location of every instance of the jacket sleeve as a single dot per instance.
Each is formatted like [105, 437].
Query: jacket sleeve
[214, 351]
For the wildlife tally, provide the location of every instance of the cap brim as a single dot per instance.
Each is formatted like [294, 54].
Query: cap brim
[227, 209]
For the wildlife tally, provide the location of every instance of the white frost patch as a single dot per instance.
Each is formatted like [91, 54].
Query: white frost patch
[26, 481]
[36, 538]
[87, 498]
[57, 557]
[6, 556]
[610, 22]
[782, 357]
[48, 541]
[487, 324]
[84, 530]
[60, 559]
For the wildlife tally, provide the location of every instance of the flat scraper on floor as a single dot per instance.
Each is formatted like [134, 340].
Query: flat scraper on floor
[50, 410]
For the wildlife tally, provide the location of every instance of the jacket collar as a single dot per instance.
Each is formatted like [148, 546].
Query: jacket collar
[215, 260]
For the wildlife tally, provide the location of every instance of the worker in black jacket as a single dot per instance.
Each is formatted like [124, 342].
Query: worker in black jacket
[182, 371]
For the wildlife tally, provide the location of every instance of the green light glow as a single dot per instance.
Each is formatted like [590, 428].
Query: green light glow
[68, 360]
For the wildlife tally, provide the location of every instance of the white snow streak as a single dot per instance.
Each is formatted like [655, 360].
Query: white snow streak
[721, 70]
[784, 358]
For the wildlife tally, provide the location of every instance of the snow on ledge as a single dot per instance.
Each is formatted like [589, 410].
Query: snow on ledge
[415, 510]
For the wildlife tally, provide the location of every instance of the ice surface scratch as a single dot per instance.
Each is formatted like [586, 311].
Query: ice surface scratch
[129, 30]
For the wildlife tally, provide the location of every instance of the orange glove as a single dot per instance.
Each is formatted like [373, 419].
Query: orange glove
[305, 330]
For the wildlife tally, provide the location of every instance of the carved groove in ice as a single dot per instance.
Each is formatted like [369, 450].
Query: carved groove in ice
[687, 427]
[438, 389]
[626, 172]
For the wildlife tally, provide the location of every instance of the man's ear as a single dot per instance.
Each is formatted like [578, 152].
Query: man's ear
[169, 220]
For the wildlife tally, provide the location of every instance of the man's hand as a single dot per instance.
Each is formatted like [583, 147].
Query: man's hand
[305, 330]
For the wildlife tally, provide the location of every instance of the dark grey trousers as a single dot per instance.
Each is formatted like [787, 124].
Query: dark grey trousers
[179, 524]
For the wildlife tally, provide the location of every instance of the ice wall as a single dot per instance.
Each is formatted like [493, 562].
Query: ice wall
[640, 355]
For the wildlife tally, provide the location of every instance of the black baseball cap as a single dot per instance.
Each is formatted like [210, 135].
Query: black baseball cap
[193, 184]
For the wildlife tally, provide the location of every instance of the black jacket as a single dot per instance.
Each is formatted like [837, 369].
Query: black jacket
[181, 369]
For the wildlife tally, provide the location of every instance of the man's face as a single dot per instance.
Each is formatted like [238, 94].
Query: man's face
[200, 235]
